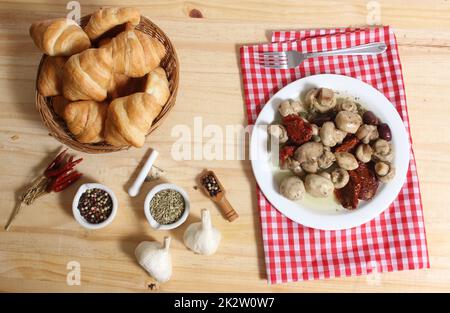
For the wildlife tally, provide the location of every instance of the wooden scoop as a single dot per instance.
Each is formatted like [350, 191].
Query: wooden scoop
[218, 195]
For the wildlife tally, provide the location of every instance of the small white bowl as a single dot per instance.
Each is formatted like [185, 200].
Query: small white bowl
[80, 219]
[149, 198]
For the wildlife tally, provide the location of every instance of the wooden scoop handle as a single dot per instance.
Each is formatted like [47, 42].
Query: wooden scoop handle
[227, 210]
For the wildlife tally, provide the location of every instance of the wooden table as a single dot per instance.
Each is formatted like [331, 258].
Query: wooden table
[45, 237]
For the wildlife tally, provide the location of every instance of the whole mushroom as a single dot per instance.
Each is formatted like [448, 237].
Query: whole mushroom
[340, 178]
[346, 160]
[348, 121]
[364, 153]
[348, 105]
[322, 100]
[292, 188]
[326, 159]
[318, 186]
[294, 166]
[278, 132]
[382, 151]
[366, 133]
[385, 171]
[288, 107]
[330, 135]
[307, 154]
[325, 175]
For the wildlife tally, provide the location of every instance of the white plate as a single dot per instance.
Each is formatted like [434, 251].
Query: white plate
[320, 213]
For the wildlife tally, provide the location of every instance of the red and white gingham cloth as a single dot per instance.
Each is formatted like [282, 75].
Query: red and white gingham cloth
[393, 241]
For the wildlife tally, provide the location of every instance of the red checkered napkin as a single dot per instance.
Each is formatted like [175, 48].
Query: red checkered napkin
[393, 241]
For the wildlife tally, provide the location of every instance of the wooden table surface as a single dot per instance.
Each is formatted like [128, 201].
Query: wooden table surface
[45, 237]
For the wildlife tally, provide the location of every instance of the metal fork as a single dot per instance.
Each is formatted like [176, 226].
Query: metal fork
[291, 59]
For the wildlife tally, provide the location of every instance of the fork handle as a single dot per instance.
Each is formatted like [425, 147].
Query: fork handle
[367, 49]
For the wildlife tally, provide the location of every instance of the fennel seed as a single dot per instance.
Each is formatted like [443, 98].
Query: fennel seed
[167, 206]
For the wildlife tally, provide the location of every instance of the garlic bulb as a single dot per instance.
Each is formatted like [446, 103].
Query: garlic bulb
[201, 237]
[155, 259]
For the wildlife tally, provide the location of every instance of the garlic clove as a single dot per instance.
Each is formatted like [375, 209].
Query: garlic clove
[155, 259]
[202, 237]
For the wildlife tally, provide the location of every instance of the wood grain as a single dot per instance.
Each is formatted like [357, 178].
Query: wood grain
[45, 237]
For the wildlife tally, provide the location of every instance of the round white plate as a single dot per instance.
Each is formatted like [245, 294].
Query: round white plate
[326, 214]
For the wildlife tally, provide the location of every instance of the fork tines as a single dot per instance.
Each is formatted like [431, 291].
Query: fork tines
[273, 59]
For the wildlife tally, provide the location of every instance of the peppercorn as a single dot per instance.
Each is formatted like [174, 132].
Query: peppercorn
[95, 205]
[211, 185]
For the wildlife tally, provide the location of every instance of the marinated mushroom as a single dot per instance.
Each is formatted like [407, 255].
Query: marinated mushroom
[292, 188]
[330, 135]
[346, 161]
[322, 100]
[366, 133]
[318, 186]
[340, 178]
[279, 132]
[326, 159]
[325, 175]
[348, 121]
[382, 151]
[289, 107]
[348, 105]
[294, 166]
[307, 154]
[385, 171]
[315, 133]
[364, 153]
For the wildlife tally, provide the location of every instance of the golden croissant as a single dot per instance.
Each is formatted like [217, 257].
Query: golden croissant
[87, 75]
[135, 53]
[59, 104]
[85, 120]
[49, 82]
[59, 37]
[157, 85]
[129, 119]
[105, 19]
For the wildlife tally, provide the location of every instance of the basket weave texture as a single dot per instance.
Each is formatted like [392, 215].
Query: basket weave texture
[56, 125]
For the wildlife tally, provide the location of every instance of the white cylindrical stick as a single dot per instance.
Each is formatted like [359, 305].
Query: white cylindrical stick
[134, 189]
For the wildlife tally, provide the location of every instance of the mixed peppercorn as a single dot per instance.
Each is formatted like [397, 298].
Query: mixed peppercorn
[95, 205]
[210, 183]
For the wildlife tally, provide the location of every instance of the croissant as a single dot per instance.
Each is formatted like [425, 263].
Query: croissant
[104, 19]
[86, 119]
[87, 75]
[157, 85]
[129, 119]
[59, 37]
[135, 53]
[50, 77]
[59, 104]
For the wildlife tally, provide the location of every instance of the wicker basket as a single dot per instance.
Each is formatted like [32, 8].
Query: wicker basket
[56, 124]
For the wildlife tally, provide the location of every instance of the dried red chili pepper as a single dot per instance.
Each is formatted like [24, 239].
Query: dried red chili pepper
[286, 152]
[56, 162]
[65, 168]
[67, 183]
[297, 129]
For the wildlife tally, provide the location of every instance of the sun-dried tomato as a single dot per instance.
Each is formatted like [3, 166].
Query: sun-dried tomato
[286, 152]
[369, 182]
[297, 129]
[348, 196]
[348, 145]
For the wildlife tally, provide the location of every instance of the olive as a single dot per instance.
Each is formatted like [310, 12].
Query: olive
[320, 119]
[370, 118]
[385, 131]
